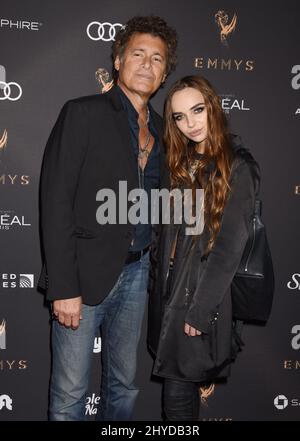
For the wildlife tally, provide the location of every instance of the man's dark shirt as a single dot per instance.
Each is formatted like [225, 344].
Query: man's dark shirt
[142, 232]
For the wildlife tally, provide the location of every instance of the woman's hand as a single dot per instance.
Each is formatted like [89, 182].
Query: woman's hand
[190, 331]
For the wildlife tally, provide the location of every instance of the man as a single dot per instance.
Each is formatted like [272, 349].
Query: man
[96, 275]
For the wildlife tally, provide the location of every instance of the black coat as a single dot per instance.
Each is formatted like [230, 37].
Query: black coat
[89, 149]
[203, 301]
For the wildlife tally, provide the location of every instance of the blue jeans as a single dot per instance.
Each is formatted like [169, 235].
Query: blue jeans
[120, 317]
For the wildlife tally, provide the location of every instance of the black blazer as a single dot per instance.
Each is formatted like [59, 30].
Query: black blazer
[88, 149]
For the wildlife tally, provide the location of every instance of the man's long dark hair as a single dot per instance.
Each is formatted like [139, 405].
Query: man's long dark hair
[152, 25]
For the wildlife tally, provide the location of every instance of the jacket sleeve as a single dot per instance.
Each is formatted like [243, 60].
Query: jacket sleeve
[225, 256]
[63, 159]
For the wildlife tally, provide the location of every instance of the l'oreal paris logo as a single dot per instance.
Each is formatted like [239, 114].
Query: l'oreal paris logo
[9, 220]
[229, 102]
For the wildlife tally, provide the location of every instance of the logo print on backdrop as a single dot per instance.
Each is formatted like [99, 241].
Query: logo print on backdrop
[295, 282]
[296, 340]
[91, 406]
[13, 365]
[12, 280]
[3, 335]
[3, 140]
[10, 91]
[224, 64]
[281, 402]
[26, 280]
[10, 178]
[102, 76]
[221, 18]
[229, 102]
[102, 31]
[20, 24]
[9, 220]
[5, 401]
[291, 364]
[3, 144]
[97, 345]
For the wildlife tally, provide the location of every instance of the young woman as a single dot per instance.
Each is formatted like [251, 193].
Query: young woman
[191, 330]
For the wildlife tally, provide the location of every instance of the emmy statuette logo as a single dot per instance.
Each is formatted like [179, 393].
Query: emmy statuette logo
[226, 28]
[102, 76]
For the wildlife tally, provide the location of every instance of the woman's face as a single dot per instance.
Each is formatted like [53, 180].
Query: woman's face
[190, 113]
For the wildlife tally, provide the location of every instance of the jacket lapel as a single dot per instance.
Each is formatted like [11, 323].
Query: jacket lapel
[123, 131]
[162, 157]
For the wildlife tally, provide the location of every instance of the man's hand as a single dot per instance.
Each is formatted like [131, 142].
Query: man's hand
[68, 311]
[190, 331]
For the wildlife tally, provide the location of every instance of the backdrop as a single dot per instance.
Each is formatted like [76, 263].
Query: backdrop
[49, 53]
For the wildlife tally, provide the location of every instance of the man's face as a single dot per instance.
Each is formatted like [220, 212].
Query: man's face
[142, 68]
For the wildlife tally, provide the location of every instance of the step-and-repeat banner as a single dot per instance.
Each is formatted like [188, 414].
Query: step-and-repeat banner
[53, 51]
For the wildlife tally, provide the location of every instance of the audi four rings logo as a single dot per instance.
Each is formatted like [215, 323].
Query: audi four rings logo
[10, 91]
[102, 31]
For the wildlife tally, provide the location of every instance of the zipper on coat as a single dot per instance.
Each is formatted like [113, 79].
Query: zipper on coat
[213, 341]
[186, 296]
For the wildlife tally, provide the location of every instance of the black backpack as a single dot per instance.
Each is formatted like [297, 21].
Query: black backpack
[252, 287]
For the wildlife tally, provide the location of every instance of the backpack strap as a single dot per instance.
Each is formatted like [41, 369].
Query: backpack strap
[244, 154]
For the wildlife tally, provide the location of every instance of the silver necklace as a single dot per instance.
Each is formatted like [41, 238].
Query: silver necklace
[143, 152]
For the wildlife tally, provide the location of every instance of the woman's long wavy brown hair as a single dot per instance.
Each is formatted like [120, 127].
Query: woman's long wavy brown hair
[215, 165]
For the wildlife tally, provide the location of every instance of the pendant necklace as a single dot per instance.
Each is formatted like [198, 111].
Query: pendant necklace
[143, 152]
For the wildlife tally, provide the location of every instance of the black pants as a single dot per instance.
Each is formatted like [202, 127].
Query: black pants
[181, 400]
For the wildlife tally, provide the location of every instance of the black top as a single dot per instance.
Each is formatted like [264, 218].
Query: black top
[198, 155]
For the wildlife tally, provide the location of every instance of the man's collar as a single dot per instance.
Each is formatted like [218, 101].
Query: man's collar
[115, 95]
[127, 104]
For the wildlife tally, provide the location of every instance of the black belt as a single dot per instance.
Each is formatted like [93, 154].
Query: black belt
[136, 255]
